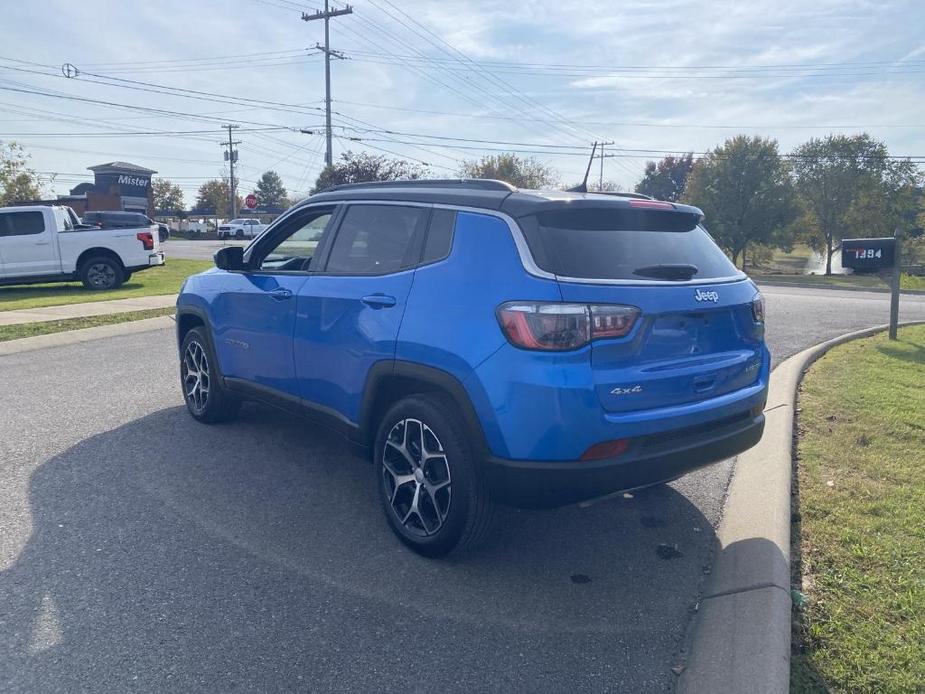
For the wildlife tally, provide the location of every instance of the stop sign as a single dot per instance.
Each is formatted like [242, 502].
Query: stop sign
[250, 201]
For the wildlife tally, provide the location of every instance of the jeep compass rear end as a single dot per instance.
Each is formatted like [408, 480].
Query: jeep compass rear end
[486, 345]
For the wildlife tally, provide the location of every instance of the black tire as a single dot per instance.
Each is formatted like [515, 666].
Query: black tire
[198, 367]
[239, 234]
[126, 276]
[455, 516]
[101, 272]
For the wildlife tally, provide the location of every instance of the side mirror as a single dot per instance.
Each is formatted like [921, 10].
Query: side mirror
[229, 258]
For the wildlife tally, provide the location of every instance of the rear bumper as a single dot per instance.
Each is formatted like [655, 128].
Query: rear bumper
[650, 460]
[153, 260]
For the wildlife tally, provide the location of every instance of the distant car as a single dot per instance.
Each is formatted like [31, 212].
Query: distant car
[106, 219]
[244, 228]
[486, 344]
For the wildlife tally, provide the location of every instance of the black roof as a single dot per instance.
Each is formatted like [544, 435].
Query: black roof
[480, 193]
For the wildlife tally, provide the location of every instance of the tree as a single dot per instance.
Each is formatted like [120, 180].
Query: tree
[167, 196]
[609, 187]
[362, 167]
[17, 180]
[523, 172]
[270, 190]
[213, 198]
[666, 179]
[849, 182]
[745, 191]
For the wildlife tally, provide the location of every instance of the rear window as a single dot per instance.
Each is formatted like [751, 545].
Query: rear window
[616, 244]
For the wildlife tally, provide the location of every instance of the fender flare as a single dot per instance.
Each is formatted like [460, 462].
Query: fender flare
[436, 379]
[206, 324]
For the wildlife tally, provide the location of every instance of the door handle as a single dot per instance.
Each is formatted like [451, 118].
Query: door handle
[379, 300]
[43, 243]
[704, 383]
[281, 294]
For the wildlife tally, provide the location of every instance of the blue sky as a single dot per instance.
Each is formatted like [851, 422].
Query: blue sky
[549, 76]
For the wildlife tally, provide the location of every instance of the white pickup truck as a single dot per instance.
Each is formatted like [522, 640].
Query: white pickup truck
[241, 228]
[47, 243]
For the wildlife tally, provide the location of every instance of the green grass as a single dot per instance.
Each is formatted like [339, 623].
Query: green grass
[165, 279]
[859, 541]
[15, 332]
[852, 281]
[787, 262]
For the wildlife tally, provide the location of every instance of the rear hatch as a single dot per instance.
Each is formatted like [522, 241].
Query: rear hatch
[696, 336]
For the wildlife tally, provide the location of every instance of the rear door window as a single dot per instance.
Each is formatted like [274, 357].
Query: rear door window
[376, 240]
[617, 244]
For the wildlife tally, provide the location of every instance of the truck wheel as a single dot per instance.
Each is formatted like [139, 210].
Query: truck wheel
[239, 234]
[205, 397]
[101, 272]
[430, 484]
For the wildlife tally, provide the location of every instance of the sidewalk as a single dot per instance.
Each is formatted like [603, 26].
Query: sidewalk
[94, 308]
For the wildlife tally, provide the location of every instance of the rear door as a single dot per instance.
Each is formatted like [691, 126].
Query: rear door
[696, 336]
[27, 243]
[350, 310]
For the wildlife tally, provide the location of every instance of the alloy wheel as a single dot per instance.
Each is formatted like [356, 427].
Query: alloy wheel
[101, 275]
[416, 477]
[196, 378]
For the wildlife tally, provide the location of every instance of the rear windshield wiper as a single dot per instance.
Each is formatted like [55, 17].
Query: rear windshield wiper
[668, 271]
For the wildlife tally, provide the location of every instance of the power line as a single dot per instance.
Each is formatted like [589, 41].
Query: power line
[136, 133]
[631, 124]
[169, 61]
[612, 67]
[633, 73]
[465, 60]
[199, 95]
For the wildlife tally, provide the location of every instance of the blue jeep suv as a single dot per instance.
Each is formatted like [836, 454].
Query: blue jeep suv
[485, 344]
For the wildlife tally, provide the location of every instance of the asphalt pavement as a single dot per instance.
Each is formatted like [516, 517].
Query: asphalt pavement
[142, 551]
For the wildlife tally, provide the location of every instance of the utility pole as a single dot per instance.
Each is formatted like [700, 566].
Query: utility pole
[326, 16]
[600, 184]
[231, 156]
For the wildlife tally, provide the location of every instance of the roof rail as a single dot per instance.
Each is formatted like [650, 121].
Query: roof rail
[472, 183]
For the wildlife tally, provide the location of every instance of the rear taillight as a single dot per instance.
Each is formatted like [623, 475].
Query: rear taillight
[758, 308]
[559, 326]
[147, 239]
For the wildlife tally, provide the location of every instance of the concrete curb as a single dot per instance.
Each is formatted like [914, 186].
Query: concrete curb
[740, 641]
[71, 337]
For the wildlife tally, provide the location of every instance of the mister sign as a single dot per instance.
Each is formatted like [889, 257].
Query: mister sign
[868, 254]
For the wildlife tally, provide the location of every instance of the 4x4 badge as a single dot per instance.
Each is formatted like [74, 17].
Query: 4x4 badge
[626, 391]
[701, 295]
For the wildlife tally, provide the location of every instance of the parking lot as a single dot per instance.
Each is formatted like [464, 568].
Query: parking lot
[141, 550]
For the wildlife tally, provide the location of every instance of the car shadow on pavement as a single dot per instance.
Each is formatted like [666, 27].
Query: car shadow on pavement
[167, 554]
